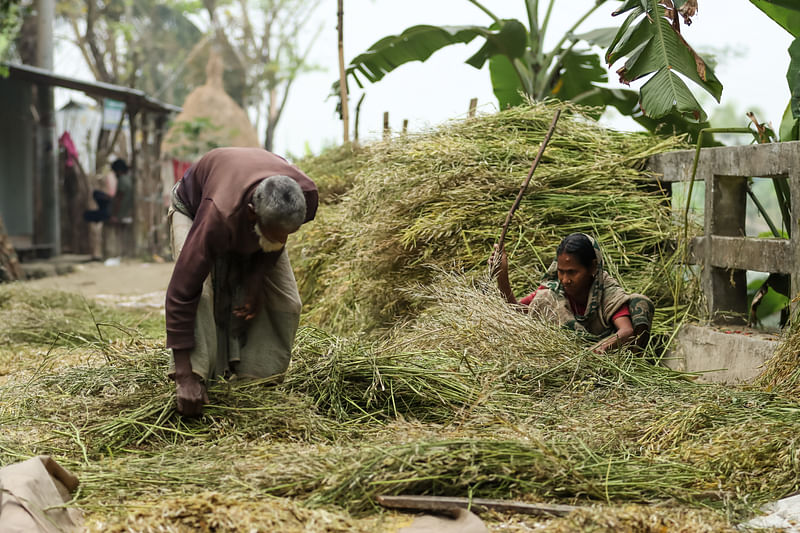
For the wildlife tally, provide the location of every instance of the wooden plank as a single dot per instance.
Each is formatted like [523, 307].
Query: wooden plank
[749, 253]
[478, 505]
[757, 160]
[745, 253]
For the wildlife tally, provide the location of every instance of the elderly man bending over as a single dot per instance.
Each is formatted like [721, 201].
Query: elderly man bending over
[232, 305]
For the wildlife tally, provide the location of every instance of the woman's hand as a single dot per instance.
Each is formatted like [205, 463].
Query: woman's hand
[498, 268]
[498, 261]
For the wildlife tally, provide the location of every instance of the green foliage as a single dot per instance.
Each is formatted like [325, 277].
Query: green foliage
[520, 67]
[418, 43]
[653, 45]
[793, 77]
[118, 40]
[771, 303]
[790, 126]
[10, 22]
[518, 64]
[784, 12]
[195, 137]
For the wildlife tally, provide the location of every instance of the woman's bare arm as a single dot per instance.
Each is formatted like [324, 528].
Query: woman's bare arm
[623, 336]
[500, 266]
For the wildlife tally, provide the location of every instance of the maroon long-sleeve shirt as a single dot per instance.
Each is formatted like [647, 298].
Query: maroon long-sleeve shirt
[216, 192]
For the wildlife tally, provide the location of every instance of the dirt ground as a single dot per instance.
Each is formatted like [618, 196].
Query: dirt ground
[131, 283]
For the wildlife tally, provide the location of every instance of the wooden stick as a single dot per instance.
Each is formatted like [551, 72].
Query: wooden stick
[528, 179]
[342, 73]
[447, 504]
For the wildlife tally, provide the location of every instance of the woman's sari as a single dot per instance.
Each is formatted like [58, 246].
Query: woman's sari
[606, 298]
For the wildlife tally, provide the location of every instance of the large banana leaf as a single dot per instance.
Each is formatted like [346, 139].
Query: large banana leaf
[653, 46]
[577, 73]
[626, 102]
[784, 12]
[793, 77]
[506, 83]
[418, 43]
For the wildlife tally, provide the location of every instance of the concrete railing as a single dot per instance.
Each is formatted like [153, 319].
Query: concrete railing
[724, 250]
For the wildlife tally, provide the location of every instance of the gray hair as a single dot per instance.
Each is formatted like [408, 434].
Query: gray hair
[279, 202]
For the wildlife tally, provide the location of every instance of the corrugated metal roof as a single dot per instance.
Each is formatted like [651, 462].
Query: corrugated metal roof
[133, 98]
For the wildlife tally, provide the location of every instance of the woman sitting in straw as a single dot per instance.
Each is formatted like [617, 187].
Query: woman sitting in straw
[579, 294]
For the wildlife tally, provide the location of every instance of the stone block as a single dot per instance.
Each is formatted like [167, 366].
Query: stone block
[721, 354]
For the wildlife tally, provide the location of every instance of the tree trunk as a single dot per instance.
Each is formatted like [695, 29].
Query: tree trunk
[9, 265]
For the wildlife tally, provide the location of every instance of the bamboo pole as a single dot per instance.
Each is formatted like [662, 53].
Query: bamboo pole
[342, 74]
[448, 504]
[527, 180]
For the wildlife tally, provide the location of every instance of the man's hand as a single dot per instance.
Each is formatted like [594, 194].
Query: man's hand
[246, 311]
[190, 393]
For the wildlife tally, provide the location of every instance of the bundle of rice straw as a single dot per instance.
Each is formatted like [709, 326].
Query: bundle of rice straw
[782, 372]
[439, 198]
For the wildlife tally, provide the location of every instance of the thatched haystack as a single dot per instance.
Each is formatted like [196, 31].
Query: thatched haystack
[210, 118]
[439, 199]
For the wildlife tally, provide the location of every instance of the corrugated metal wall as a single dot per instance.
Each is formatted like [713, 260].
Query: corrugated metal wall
[16, 160]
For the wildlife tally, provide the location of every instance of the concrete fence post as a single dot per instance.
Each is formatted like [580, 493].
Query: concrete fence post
[793, 174]
[725, 215]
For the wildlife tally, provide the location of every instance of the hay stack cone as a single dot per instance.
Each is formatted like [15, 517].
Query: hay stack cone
[210, 118]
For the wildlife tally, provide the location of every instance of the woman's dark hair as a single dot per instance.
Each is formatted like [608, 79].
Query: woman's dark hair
[119, 166]
[579, 245]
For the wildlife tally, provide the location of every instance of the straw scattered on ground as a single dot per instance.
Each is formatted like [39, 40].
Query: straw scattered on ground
[442, 406]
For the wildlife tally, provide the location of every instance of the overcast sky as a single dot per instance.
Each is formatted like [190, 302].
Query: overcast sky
[751, 50]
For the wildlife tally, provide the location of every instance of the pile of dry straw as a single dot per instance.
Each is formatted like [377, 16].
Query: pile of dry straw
[395, 209]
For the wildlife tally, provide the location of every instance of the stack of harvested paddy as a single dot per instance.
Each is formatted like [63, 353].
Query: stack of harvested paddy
[209, 118]
[469, 317]
[334, 171]
[439, 198]
[782, 372]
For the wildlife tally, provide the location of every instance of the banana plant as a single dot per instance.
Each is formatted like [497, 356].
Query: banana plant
[787, 14]
[651, 40]
[519, 64]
